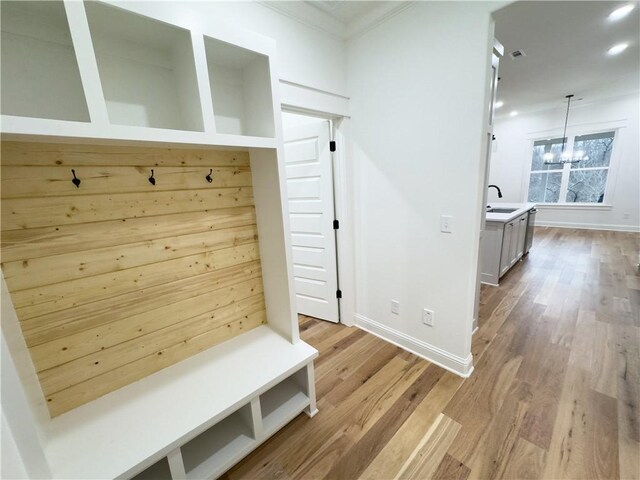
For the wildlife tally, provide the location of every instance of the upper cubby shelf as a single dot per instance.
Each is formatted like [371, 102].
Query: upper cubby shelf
[147, 70]
[113, 72]
[240, 89]
[40, 76]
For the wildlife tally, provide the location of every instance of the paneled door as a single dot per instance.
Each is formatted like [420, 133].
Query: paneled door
[311, 209]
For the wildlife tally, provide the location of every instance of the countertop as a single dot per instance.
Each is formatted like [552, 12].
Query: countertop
[507, 217]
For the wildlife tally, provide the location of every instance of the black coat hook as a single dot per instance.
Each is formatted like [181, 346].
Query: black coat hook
[209, 177]
[152, 180]
[76, 180]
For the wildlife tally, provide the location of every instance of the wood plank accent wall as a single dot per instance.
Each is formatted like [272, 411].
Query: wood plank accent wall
[117, 279]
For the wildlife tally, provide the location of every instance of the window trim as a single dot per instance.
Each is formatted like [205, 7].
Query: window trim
[574, 206]
[573, 131]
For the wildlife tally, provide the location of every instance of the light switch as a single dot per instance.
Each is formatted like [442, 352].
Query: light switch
[446, 223]
[395, 307]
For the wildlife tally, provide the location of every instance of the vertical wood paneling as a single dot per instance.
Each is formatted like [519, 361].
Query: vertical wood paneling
[119, 278]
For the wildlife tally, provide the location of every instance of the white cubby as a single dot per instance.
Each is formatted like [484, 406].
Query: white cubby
[147, 69]
[279, 403]
[40, 75]
[158, 471]
[139, 76]
[204, 413]
[240, 89]
[217, 448]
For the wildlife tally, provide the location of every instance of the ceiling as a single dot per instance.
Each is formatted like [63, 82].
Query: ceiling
[345, 11]
[343, 18]
[566, 45]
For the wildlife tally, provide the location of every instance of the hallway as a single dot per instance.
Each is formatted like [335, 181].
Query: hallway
[554, 393]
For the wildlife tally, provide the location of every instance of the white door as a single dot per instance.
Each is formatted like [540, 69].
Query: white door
[310, 194]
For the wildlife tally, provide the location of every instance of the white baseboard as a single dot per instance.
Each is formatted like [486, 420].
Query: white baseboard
[458, 365]
[589, 226]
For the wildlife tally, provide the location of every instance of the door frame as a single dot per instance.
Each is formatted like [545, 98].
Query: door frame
[342, 200]
[497, 52]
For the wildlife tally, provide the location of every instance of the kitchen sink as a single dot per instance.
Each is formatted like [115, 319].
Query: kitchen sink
[501, 210]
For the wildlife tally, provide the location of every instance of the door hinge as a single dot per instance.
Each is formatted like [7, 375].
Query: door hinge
[338, 293]
[332, 146]
[336, 224]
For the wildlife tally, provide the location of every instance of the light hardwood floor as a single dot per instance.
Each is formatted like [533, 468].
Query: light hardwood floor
[555, 392]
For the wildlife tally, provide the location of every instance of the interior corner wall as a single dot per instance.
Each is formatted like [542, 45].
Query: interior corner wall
[418, 86]
[306, 55]
[12, 465]
[512, 154]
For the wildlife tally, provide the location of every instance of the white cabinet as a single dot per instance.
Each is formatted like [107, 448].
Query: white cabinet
[513, 245]
[522, 234]
[503, 244]
[506, 254]
[513, 242]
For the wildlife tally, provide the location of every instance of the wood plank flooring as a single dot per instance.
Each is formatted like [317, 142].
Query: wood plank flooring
[555, 392]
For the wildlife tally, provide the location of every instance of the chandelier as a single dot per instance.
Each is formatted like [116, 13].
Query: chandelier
[551, 158]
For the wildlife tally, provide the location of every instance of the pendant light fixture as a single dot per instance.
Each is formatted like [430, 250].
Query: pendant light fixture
[564, 157]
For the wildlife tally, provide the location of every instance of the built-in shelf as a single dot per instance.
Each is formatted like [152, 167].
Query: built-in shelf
[158, 471]
[240, 89]
[147, 417]
[131, 74]
[216, 449]
[280, 404]
[147, 69]
[40, 75]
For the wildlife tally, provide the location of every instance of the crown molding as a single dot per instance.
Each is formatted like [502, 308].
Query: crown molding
[307, 15]
[377, 16]
[312, 16]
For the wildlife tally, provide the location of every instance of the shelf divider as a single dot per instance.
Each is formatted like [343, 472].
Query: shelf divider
[202, 75]
[312, 409]
[86, 59]
[256, 417]
[176, 465]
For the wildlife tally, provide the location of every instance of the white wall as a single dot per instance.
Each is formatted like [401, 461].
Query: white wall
[418, 86]
[510, 162]
[11, 466]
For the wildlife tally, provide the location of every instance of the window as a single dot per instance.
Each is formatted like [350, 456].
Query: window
[588, 178]
[581, 182]
[545, 180]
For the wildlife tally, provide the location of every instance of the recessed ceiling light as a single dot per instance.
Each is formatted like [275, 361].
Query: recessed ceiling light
[619, 48]
[621, 12]
[513, 113]
[498, 104]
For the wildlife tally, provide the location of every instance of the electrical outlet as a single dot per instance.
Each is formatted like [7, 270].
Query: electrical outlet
[428, 317]
[625, 216]
[395, 307]
[446, 223]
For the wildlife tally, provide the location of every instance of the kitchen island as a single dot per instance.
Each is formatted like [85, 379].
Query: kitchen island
[504, 240]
